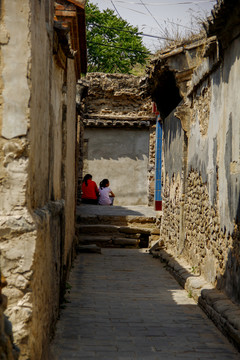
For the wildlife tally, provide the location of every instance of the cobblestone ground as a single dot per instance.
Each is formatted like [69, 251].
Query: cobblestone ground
[124, 305]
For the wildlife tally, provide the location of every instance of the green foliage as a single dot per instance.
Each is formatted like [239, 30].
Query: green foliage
[110, 49]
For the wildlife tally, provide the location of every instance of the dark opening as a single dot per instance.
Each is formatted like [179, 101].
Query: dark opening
[144, 241]
[166, 93]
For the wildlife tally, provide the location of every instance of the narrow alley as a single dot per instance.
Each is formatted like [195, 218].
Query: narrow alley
[88, 112]
[123, 304]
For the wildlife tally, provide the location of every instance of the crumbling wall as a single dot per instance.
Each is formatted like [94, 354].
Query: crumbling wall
[17, 226]
[214, 158]
[37, 171]
[116, 96]
[201, 167]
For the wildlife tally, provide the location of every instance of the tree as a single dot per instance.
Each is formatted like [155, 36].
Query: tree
[113, 44]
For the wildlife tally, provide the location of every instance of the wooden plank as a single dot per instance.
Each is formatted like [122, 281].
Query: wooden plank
[65, 13]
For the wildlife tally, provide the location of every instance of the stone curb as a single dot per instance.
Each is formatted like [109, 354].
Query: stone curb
[219, 308]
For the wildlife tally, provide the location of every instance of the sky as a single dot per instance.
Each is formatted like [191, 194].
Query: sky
[163, 18]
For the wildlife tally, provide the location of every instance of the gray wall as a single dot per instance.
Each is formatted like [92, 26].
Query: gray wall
[121, 155]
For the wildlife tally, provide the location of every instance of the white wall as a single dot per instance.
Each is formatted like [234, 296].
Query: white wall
[121, 155]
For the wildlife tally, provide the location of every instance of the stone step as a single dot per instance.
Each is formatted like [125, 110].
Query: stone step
[106, 232]
[96, 229]
[116, 220]
[107, 241]
[133, 225]
[111, 229]
[92, 248]
[126, 241]
[134, 230]
[93, 239]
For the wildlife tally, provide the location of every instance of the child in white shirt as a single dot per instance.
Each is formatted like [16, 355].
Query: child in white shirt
[106, 195]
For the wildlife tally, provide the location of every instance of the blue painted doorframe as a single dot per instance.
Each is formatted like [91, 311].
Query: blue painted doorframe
[158, 166]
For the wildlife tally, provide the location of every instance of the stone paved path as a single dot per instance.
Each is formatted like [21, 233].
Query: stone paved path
[124, 305]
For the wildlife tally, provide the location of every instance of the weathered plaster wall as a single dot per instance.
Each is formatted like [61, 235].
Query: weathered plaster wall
[14, 104]
[201, 202]
[173, 140]
[16, 91]
[173, 183]
[37, 150]
[216, 157]
[17, 227]
[121, 156]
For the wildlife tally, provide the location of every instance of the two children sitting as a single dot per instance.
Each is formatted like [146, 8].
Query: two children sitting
[92, 195]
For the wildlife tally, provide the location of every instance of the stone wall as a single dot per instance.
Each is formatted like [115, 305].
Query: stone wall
[37, 171]
[116, 97]
[201, 162]
[209, 251]
[8, 350]
[171, 196]
[213, 155]
[151, 165]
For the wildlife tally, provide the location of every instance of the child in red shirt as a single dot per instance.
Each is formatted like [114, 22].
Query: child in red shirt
[90, 190]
